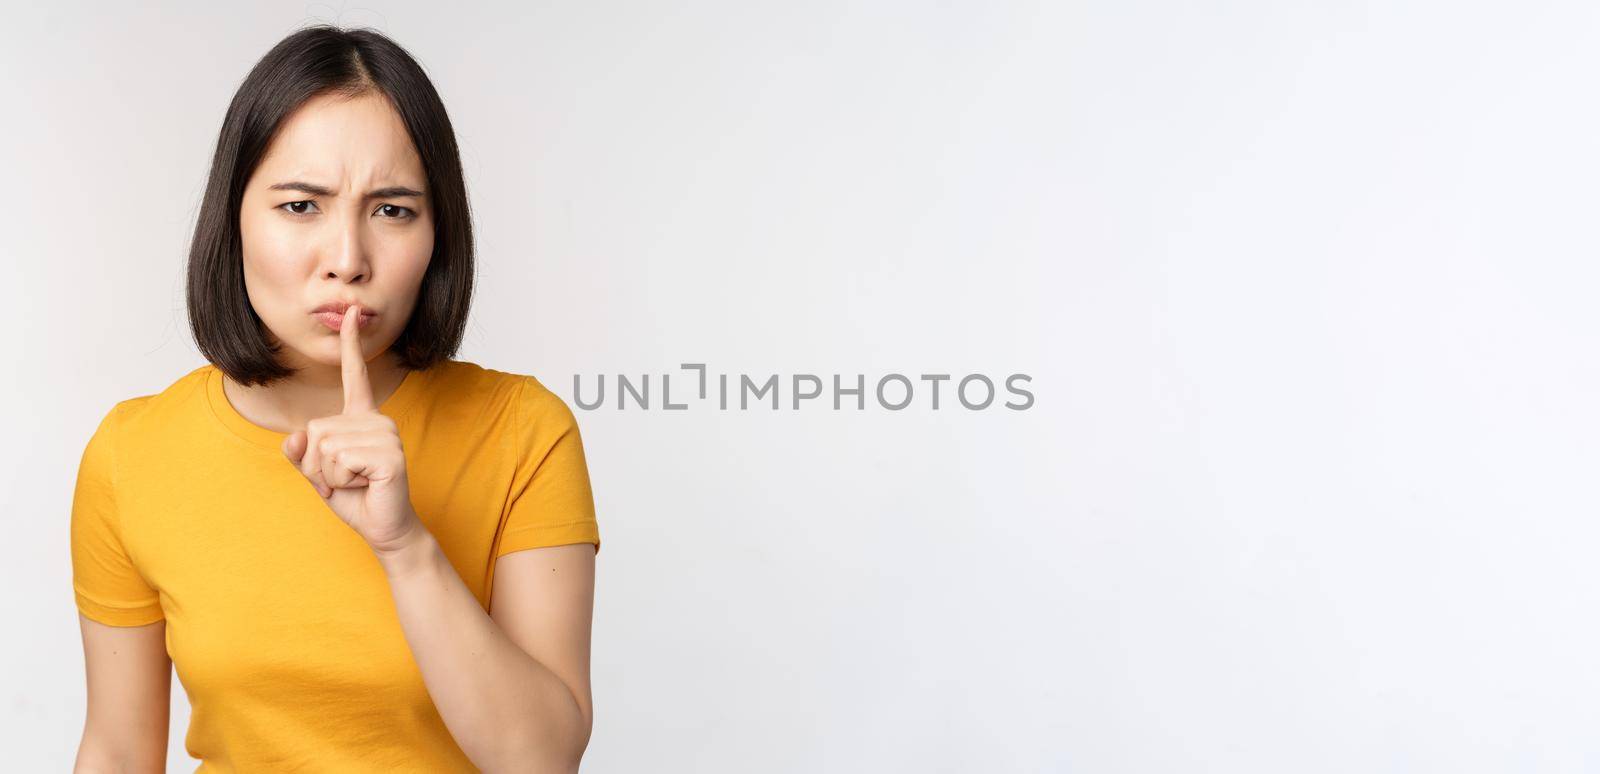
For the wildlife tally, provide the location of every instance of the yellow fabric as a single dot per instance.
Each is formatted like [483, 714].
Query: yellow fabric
[279, 619]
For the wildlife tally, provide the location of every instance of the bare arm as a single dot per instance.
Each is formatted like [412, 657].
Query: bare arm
[512, 685]
[130, 689]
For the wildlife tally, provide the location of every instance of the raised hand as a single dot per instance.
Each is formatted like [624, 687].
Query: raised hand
[354, 458]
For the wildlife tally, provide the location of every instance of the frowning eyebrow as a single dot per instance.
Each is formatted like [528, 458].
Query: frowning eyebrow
[390, 192]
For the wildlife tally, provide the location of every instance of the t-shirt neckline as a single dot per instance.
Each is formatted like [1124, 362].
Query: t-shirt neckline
[394, 407]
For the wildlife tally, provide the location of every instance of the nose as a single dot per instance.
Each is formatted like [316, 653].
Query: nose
[345, 256]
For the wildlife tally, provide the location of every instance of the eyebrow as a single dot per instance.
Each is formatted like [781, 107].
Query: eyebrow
[317, 190]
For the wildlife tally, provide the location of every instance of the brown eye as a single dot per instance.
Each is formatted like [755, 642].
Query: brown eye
[396, 211]
[298, 208]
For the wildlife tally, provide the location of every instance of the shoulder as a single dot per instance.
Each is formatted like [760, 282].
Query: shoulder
[523, 392]
[152, 410]
[539, 402]
[542, 411]
[523, 396]
[128, 426]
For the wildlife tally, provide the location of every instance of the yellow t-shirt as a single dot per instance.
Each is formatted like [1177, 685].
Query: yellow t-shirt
[279, 619]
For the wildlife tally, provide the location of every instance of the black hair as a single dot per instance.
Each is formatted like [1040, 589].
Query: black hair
[309, 62]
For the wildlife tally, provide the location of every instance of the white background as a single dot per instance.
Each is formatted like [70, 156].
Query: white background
[1306, 291]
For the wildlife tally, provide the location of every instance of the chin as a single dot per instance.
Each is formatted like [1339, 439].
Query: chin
[318, 351]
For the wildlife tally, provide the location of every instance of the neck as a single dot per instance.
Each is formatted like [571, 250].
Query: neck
[315, 390]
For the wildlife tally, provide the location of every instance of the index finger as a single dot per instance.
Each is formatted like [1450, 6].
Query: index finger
[357, 390]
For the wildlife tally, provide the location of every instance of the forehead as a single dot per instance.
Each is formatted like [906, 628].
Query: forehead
[333, 139]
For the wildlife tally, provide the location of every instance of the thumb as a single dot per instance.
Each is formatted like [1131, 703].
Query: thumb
[294, 446]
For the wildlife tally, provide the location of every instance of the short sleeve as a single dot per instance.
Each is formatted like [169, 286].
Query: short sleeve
[107, 586]
[551, 501]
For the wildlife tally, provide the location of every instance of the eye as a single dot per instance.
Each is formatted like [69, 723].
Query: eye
[400, 213]
[295, 208]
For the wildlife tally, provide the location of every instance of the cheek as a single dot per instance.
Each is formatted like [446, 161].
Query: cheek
[272, 262]
[268, 245]
[412, 252]
[408, 261]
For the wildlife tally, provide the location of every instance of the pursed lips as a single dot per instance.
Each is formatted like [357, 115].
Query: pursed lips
[332, 315]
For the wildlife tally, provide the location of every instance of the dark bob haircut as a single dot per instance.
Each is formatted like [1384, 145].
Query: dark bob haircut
[309, 62]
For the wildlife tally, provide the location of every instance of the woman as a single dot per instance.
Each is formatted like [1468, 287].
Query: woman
[358, 553]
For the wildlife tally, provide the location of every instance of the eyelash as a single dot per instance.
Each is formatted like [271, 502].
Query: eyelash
[409, 213]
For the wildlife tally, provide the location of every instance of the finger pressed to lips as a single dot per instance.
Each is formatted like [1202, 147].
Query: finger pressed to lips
[357, 390]
[315, 460]
[334, 320]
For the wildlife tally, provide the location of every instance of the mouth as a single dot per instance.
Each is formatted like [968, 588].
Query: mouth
[332, 315]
